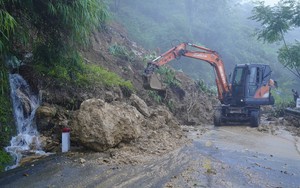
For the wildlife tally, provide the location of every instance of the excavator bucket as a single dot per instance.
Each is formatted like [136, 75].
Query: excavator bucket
[152, 82]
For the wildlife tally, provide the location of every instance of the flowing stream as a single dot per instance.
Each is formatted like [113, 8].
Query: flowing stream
[25, 103]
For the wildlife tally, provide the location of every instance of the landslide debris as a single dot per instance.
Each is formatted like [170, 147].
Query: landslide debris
[292, 124]
[99, 125]
[114, 121]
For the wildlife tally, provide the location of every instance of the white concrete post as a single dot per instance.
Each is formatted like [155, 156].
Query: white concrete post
[65, 140]
[298, 103]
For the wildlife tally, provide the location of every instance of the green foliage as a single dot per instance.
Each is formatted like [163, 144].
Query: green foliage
[77, 18]
[149, 57]
[281, 106]
[200, 84]
[53, 30]
[121, 52]
[281, 103]
[5, 159]
[168, 76]
[290, 56]
[100, 75]
[275, 22]
[155, 96]
[170, 104]
[77, 72]
[7, 27]
[6, 115]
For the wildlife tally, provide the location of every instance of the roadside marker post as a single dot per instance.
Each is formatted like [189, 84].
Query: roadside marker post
[65, 140]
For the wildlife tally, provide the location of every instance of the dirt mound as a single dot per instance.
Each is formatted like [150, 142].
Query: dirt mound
[292, 124]
[157, 131]
[195, 106]
[122, 132]
[188, 102]
[271, 124]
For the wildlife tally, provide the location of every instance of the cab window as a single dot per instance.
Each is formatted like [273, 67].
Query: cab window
[237, 80]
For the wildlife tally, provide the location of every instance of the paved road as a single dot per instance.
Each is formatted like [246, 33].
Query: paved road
[231, 156]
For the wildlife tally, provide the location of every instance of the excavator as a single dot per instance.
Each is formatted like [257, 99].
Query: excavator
[240, 99]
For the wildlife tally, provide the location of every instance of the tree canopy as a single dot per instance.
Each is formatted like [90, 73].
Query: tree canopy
[276, 21]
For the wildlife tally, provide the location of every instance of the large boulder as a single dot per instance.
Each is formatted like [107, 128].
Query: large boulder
[99, 125]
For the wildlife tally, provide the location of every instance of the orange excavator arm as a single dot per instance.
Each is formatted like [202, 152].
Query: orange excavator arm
[201, 53]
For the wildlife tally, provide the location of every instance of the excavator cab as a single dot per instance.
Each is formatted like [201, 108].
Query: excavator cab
[250, 85]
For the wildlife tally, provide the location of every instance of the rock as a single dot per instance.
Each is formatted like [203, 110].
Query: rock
[99, 125]
[30, 159]
[25, 102]
[263, 128]
[109, 96]
[44, 115]
[114, 95]
[82, 160]
[140, 105]
[162, 117]
[49, 144]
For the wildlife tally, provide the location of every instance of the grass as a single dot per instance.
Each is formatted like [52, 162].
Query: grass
[121, 52]
[200, 84]
[168, 76]
[5, 159]
[155, 96]
[82, 74]
[7, 128]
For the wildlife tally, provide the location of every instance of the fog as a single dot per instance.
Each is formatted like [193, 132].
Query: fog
[221, 25]
[271, 2]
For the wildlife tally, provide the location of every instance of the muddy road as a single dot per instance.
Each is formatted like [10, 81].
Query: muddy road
[227, 156]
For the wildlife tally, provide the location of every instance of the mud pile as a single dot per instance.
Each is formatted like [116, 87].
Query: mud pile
[292, 124]
[129, 132]
[105, 119]
[188, 103]
[271, 124]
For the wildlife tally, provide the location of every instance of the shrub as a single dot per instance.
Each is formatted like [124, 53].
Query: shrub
[200, 84]
[281, 106]
[121, 52]
[155, 96]
[5, 160]
[168, 76]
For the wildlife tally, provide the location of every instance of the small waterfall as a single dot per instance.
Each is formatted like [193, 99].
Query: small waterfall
[25, 104]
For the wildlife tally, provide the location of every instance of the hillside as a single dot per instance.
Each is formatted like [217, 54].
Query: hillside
[159, 117]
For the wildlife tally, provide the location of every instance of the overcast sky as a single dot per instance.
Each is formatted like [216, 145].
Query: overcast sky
[267, 2]
[271, 2]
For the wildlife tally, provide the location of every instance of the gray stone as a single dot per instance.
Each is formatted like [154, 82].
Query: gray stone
[140, 105]
[99, 125]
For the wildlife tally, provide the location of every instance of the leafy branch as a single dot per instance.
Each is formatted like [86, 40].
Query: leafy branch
[275, 22]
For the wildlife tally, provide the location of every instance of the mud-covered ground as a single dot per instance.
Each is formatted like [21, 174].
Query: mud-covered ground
[227, 156]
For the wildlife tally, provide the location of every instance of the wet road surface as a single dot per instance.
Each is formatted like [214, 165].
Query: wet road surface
[229, 156]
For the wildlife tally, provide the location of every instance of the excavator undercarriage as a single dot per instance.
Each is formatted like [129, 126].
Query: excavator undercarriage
[226, 114]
